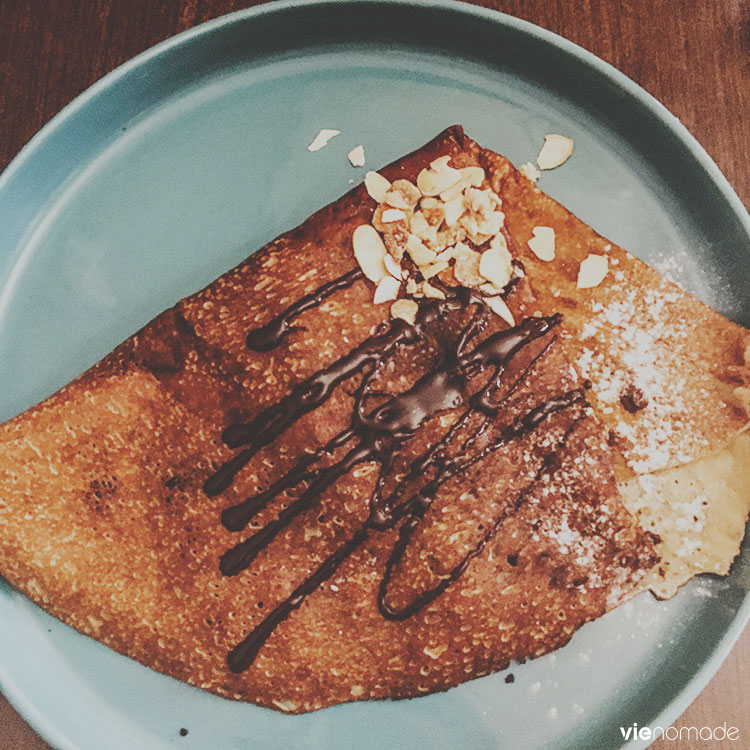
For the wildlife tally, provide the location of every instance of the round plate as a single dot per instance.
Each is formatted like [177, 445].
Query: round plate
[180, 163]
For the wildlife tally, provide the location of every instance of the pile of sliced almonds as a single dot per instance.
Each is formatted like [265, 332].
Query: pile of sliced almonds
[429, 224]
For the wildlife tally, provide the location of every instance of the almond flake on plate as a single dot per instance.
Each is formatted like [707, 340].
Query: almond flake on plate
[322, 138]
[357, 156]
[555, 151]
[542, 243]
[592, 271]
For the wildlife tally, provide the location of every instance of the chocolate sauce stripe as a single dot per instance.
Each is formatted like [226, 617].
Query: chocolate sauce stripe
[236, 517]
[423, 463]
[273, 333]
[238, 558]
[244, 653]
[412, 523]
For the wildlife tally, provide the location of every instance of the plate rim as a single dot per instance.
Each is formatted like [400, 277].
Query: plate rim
[171, 45]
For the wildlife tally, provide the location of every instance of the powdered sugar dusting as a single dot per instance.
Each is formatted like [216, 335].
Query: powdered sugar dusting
[634, 363]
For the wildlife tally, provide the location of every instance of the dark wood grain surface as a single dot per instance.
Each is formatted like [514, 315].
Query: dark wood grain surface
[692, 55]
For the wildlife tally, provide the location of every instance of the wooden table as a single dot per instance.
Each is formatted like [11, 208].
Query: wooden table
[692, 56]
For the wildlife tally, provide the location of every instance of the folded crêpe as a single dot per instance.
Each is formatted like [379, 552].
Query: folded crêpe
[391, 451]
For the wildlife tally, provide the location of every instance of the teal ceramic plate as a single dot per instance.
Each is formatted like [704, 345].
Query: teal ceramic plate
[180, 163]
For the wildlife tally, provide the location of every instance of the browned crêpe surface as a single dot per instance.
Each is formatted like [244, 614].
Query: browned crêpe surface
[106, 524]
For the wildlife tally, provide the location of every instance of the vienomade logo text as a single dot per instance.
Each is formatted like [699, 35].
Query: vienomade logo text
[684, 734]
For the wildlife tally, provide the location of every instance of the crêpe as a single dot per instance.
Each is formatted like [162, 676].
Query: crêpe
[419, 503]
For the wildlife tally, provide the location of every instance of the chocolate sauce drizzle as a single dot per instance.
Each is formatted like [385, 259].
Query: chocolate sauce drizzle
[376, 435]
[315, 390]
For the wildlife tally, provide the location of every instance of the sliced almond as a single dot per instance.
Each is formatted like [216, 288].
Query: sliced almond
[495, 265]
[480, 201]
[555, 151]
[456, 191]
[433, 269]
[438, 177]
[406, 309]
[500, 242]
[446, 254]
[370, 252]
[474, 228]
[432, 210]
[411, 286]
[542, 243]
[466, 269]
[390, 215]
[395, 244]
[492, 223]
[386, 290]
[377, 186]
[429, 236]
[490, 289]
[431, 291]
[322, 138]
[440, 163]
[392, 266]
[498, 306]
[592, 271]
[357, 156]
[433, 183]
[529, 171]
[449, 237]
[453, 210]
[419, 252]
[473, 176]
[470, 177]
[387, 222]
[418, 223]
[408, 193]
[395, 199]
